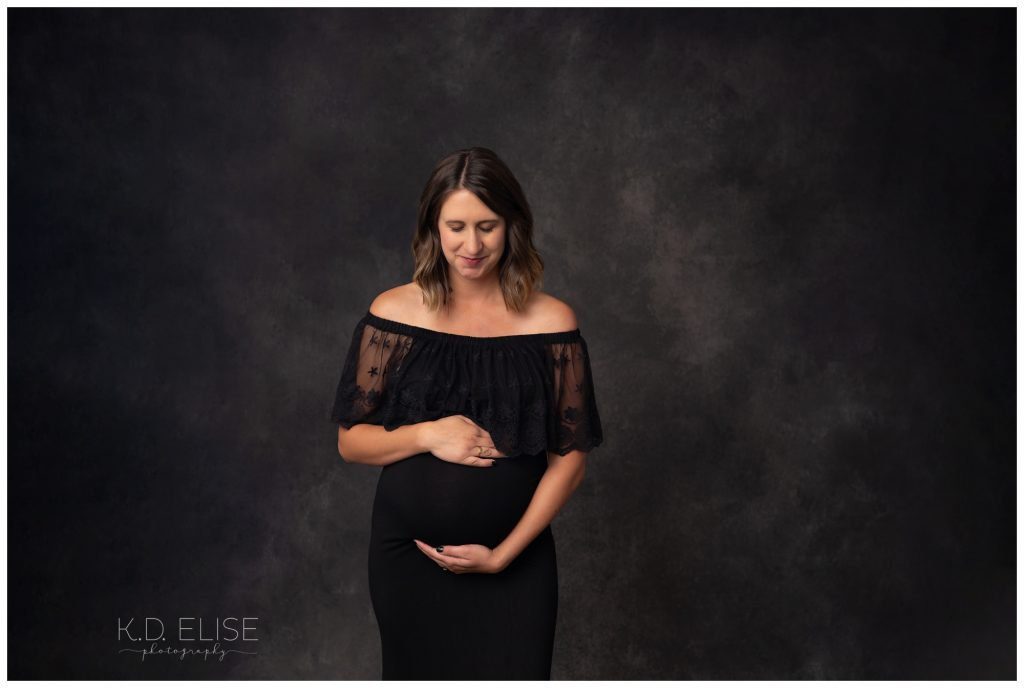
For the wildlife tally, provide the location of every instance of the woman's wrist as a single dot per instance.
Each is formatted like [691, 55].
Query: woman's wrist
[424, 436]
[502, 557]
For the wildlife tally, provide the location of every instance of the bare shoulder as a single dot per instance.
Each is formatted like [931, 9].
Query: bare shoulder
[395, 303]
[553, 314]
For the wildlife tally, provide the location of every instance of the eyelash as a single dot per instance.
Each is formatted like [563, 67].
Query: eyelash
[485, 229]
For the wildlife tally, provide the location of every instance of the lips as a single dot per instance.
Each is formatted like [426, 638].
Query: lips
[473, 261]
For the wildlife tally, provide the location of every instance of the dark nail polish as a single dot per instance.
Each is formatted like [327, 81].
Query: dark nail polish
[440, 548]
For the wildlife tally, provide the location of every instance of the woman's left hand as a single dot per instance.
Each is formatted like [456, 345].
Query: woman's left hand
[463, 558]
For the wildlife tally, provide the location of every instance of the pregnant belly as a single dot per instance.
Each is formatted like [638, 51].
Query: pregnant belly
[440, 502]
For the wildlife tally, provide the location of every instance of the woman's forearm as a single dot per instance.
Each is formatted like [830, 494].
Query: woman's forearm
[560, 480]
[373, 445]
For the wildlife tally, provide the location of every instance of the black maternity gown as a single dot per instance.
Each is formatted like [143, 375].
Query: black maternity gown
[533, 393]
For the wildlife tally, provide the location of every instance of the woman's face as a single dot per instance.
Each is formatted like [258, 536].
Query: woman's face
[469, 229]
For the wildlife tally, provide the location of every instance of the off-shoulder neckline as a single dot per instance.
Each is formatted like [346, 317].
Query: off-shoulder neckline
[423, 332]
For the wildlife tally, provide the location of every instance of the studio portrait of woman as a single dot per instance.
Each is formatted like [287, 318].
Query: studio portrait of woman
[473, 392]
[696, 368]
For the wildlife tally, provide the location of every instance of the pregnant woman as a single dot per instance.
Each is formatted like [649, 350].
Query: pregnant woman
[472, 389]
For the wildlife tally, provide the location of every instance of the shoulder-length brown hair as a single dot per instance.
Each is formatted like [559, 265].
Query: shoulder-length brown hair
[480, 171]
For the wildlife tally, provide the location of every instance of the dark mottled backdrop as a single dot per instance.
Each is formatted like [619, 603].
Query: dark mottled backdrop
[788, 236]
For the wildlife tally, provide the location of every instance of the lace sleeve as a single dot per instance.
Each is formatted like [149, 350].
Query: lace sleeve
[574, 422]
[364, 383]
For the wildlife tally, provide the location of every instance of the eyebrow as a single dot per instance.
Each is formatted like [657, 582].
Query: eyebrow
[480, 222]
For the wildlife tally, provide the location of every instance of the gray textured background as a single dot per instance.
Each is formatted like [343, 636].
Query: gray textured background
[788, 236]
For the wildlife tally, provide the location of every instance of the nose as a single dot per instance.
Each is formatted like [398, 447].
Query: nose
[473, 244]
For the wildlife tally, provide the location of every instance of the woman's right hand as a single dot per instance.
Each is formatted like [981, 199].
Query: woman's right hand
[457, 439]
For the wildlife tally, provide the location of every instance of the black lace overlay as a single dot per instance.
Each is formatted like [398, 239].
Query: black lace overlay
[532, 392]
[574, 422]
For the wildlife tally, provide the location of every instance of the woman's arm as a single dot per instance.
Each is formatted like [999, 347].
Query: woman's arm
[560, 480]
[373, 445]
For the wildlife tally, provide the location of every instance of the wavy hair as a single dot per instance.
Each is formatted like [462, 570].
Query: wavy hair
[482, 172]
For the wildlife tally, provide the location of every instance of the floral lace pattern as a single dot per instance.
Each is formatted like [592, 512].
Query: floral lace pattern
[532, 392]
